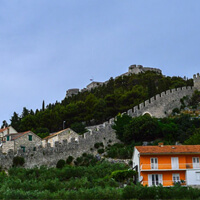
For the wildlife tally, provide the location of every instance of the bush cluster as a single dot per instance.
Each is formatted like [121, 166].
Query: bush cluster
[98, 145]
[86, 160]
[18, 161]
[120, 151]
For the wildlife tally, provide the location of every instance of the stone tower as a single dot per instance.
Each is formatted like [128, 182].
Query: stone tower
[196, 81]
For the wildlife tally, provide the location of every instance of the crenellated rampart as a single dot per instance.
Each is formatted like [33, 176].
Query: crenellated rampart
[160, 105]
[49, 156]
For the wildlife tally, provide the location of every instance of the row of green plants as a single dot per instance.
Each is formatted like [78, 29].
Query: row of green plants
[93, 181]
[101, 180]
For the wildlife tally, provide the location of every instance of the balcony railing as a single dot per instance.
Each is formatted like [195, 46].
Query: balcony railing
[180, 166]
[164, 183]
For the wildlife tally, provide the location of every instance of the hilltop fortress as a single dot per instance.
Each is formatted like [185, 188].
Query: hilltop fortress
[159, 106]
[133, 69]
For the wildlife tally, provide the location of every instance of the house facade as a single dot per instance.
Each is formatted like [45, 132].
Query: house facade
[65, 134]
[6, 131]
[167, 165]
[24, 141]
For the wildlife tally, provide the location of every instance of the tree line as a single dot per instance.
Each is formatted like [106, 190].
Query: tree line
[96, 106]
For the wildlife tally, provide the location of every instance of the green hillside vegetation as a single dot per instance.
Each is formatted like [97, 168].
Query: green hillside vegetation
[146, 128]
[99, 181]
[96, 106]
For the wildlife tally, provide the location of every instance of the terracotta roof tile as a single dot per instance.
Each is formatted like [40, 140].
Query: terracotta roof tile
[3, 129]
[168, 149]
[19, 135]
[54, 134]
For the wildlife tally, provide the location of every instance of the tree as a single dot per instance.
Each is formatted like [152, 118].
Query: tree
[4, 124]
[25, 112]
[195, 99]
[78, 128]
[194, 139]
[143, 128]
[119, 125]
[15, 121]
[43, 105]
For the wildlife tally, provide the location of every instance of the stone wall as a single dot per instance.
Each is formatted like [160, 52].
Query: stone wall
[25, 142]
[136, 69]
[162, 104]
[49, 156]
[71, 92]
[22, 140]
[196, 79]
[7, 145]
[66, 134]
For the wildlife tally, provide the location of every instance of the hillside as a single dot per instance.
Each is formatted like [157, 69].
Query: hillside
[97, 105]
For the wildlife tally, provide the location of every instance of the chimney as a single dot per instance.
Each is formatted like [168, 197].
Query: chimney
[160, 144]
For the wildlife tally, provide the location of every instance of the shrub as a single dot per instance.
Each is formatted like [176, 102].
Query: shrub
[100, 151]
[86, 160]
[18, 161]
[120, 151]
[69, 160]
[97, 145]
[175, 110]
[122, 175]
[60, 164]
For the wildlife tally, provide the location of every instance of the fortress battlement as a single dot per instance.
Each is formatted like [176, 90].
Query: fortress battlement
[133, 69]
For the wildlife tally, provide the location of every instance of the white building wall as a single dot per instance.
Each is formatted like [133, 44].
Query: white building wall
[193, 177]
[136, 158]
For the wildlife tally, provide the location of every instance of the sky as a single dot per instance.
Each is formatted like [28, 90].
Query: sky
[48, 47]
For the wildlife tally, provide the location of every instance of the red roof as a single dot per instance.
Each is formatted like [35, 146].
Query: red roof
[3, 129]
[17, 135]
[54, 134]
[168, 149]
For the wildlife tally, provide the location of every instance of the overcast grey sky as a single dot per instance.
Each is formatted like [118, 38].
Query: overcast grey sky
[49, 46]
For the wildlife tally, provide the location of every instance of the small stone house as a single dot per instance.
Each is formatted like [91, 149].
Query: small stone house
[5, 131]
[25, 140]
[65, 134]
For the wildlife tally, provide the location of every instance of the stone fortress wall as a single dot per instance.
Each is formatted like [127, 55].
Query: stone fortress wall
[162, 104]
[133, 69]
[158, 106]
[49, 156]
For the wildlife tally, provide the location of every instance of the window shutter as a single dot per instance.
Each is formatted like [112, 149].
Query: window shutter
[30, 137]
[160, 179]
[149, 179]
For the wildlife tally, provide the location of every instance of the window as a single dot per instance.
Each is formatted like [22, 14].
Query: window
[155, 179]
[175, 164]
[176, 178]
[195, 162]
[154, 163]
[8, 138]
[30, 137]
[198, 176]
[23, 148]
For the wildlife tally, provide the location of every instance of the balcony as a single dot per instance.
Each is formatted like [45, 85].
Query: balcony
[164, 183]
[166, 167]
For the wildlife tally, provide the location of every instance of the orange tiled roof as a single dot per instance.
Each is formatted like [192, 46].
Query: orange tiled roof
[3, 129]
[54, 134]
[168, 149]
[19, 135]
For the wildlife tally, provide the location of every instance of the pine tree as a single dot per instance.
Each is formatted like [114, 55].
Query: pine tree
[43, 105]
